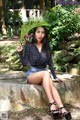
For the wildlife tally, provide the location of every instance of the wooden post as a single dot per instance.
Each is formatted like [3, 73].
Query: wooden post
[2, 19]
[41, 4]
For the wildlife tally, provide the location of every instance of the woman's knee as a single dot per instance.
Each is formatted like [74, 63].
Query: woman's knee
[46, 74]
[46, 77]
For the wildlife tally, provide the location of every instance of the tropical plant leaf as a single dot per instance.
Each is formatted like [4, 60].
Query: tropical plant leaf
[29, 25]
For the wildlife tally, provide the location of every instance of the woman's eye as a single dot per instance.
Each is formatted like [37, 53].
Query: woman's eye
[41, 32]
[38, 32]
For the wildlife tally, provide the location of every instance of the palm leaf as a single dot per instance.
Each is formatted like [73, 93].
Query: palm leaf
[27, 26]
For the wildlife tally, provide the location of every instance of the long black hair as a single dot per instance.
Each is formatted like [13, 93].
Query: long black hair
[45, 41]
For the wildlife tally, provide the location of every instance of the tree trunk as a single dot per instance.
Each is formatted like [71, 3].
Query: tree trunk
[2, 18]
[41, 4]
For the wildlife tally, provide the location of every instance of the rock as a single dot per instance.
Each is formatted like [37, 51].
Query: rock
[69, 93]
[63, 56]
[76, 58]
[19, 107]
[25, 96]
[74, 71]
[5, 104]
[77, 10]
[32, 95]
[65, 76]
[13, 74]
[6, 43]
[70, 45]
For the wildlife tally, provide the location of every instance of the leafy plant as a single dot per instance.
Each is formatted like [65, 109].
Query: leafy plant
[13, 22]
[78, 65]
[29, 25]
[10, 57]
[64, 23]
[77, 50]
[59, 67]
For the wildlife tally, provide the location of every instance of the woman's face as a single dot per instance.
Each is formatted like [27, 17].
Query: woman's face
[39, 34]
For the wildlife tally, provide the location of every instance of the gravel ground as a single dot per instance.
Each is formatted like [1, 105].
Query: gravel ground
[36, 114]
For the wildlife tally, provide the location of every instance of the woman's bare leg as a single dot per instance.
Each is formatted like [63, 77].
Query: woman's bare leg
[42, 77]
[56, 95]
[51, 91]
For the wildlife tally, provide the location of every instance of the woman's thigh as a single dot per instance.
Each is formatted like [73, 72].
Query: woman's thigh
[36, 78]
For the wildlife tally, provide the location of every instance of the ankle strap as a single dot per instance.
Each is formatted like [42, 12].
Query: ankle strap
[53, 103]
[61, 107]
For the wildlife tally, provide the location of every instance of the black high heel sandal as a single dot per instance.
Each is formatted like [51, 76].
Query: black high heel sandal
[54, 113]
[67, 115]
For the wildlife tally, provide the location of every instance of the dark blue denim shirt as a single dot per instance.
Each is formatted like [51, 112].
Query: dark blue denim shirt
[35, 58]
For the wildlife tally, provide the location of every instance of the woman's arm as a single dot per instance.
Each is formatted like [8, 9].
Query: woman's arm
[23, 55]
[51, 66]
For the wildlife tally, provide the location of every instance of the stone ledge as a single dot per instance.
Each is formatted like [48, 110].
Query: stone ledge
[22, 95]
[12, 75]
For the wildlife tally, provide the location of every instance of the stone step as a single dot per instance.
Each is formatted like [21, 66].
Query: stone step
[22, 95]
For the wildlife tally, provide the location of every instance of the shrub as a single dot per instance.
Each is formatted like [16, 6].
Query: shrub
[64, 23]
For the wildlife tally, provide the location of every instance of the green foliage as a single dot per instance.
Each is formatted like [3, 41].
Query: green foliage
[70, 7]
[62, 57]
[13, 22]
[59, 67]
[77, 51]
[64, 23]
[29, 25]
[78, 65]
[11, 57]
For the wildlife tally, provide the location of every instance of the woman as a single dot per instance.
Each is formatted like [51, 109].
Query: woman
[38, 55]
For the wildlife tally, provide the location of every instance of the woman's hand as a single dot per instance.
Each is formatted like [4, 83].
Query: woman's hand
[58, 80]
[19, 47]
